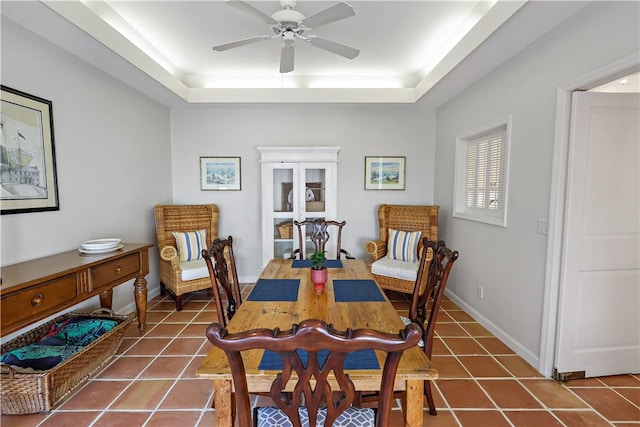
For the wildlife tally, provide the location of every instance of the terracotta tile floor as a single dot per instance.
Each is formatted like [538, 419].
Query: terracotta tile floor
[151, 381]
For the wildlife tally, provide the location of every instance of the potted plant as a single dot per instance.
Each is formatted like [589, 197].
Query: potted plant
[318, 271]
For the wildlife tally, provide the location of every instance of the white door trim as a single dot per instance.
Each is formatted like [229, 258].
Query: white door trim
[555, 242]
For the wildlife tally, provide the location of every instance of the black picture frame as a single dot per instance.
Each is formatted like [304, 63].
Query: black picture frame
[28, 177]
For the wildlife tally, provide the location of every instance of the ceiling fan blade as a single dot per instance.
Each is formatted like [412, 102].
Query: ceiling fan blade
[286, 58]
[335, 47]
[326, 16]
[246, 7]
[239, 43]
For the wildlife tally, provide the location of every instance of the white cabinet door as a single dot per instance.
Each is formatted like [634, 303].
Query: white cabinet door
[279, 199]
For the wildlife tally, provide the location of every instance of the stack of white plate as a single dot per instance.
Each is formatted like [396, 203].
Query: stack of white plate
[100, 246]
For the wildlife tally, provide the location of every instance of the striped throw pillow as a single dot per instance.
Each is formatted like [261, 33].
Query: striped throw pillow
[190, 244]
[403, 245]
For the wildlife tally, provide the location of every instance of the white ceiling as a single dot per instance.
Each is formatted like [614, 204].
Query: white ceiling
[626, 84]
[406, 47]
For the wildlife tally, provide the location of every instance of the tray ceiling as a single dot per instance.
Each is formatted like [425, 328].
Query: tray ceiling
[406, 47]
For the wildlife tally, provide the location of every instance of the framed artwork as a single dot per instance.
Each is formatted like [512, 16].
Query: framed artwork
[219, 173]
[28, 181]
[384, 173]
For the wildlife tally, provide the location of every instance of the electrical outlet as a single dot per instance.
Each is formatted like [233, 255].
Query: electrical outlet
[480, 292]
[543, 226]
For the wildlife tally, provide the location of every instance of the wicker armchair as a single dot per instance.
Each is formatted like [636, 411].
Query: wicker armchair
[406, 218]
[179, 278]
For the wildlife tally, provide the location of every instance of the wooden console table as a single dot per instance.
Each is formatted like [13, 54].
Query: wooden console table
[36, 289]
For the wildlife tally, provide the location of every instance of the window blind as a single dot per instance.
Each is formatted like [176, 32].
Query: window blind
[485, 174]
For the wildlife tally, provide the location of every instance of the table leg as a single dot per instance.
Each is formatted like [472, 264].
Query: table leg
[140, 294]
[106, 298]
[413, 403]
[223, 403]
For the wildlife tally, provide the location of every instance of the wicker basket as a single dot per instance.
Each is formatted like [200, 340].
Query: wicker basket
[285, 230]
[40, 391]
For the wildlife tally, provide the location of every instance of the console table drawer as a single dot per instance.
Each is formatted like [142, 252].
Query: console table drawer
[115, 270]
[38, 299]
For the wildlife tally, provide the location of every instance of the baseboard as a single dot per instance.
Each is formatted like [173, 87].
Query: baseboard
[248, 279]
[519, 349]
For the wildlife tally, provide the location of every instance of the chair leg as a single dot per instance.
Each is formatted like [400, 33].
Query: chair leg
[178, 302]
[427, 392]
[163, 289]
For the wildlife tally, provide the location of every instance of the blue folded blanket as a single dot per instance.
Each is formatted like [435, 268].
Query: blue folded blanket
[63, 341]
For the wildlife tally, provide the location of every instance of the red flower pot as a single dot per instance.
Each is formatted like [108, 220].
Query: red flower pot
[319, 278]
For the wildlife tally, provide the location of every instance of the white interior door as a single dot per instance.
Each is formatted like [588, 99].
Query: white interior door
[599, 305]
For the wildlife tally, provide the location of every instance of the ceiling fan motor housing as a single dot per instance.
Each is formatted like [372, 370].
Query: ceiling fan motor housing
[288, 16]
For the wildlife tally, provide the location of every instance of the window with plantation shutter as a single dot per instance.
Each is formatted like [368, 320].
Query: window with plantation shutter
[481, 174]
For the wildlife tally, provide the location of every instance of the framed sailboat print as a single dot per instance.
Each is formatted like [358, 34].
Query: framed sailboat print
[220, 173]
[28, 181]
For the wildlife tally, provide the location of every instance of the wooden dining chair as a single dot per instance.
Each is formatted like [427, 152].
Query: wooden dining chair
[436, 261]
[317, 231]
[315, 396]
[427, 297]
[223, 274]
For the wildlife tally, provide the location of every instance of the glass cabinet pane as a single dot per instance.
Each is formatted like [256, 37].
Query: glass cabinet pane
[315, 190]
[283, 237]
[283, 190]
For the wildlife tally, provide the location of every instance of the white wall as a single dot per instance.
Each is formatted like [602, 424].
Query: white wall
[112, 154]
[361, 130]
[510, 262]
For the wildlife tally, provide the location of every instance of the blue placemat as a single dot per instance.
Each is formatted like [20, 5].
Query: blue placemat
[306, 263]
[356, 290]
[360, 359]
[275, 290]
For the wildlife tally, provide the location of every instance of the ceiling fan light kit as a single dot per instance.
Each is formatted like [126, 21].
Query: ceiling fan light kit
[289, 24]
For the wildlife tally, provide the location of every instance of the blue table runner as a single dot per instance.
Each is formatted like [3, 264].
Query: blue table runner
[306, 263]
[360, 359]
[356, 290]
[275, 290]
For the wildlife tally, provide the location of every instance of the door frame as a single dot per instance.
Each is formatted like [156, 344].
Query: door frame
[557, 204]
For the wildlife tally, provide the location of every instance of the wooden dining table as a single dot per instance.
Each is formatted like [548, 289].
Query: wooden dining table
[351, 299]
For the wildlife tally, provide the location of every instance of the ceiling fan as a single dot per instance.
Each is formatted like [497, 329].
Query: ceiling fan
[289, 24]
